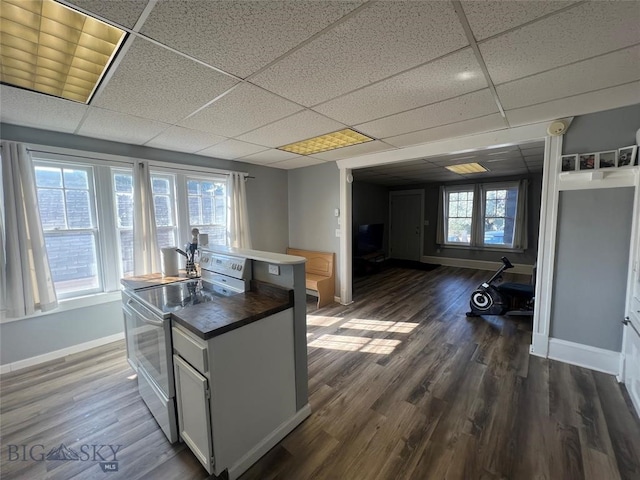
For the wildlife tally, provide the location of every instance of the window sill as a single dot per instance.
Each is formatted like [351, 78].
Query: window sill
[71, 304]
[482, 249]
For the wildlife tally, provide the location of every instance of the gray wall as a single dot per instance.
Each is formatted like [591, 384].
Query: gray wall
[431, 248]
[314, 194]
[595, 132]
[592, 259]
[267, 200]
[370, 204]
[35, 336]
[608, 130]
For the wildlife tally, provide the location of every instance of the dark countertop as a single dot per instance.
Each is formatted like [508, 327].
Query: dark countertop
[209, 320]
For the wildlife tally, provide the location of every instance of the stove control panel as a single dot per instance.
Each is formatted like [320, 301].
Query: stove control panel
[236, 267]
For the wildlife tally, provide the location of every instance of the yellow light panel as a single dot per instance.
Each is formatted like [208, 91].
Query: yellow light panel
[466, 168]
[49, 48]
[324, 143]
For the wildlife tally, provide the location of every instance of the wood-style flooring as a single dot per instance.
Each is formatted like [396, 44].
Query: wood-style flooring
[402, 386]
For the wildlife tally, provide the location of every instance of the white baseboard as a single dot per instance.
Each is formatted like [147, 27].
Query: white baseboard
[476, 264]
[268, 443]
[594, 358]
[47, 357]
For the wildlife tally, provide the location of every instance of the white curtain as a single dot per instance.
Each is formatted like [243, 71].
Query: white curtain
[26, 284]
[146, 256]
[522, 232]
[238, 234]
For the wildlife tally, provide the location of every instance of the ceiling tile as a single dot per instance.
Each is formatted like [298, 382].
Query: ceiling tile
[155, 83]
[488, 18]
[465, 107]
[353, 151]
[240, 37]
[122, 12]
[606, 99]
[581, 77]
[382, 40]
[467, 127]
[300, 126]
[296, 163]
[22, 107]
[232, 149]
[445, 78]
[575, 34]
[101, 123]
[184, 140]
[269, 156]
[243, 109]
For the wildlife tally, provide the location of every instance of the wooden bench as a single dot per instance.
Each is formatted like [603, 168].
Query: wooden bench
[319, 273]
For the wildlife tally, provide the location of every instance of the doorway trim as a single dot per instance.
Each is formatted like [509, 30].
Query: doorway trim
[505, 137]
[399, 193]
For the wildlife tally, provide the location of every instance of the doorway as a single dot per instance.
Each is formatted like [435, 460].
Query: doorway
[406, 217]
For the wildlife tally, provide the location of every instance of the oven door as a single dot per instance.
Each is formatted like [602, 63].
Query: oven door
[152, 346]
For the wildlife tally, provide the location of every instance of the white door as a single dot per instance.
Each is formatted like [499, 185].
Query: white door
[405, 224]
[631, 336]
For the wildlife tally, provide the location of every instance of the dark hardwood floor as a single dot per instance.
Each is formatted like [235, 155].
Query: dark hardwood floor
[402, 386]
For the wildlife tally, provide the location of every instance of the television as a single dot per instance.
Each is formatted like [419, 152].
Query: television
[369, 238]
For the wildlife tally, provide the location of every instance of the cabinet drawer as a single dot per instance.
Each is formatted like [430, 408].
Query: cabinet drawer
[635, 306]
[190, 349]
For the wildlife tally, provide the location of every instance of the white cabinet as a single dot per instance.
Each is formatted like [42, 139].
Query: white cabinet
[631, 349]
[236, 393]
[194, 417]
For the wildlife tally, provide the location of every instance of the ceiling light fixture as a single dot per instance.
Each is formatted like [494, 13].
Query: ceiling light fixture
[466, 168]
[324, 143]
[50, 48]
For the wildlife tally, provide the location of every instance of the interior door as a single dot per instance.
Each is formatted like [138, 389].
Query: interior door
[405, 236]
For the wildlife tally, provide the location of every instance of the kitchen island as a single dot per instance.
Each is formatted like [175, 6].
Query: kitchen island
[237, 362]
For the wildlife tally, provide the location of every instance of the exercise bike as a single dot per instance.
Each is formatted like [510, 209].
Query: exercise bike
[504, 298]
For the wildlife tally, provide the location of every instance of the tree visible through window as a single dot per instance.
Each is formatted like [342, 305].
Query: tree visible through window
[500, 207]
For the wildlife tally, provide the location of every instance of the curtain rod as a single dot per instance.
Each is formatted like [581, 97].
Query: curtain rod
[112, 160]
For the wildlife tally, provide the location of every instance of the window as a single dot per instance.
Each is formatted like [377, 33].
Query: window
[66, 201]
[207, 208]
[459, 217]
[86, 210]
[123, 190]
[484, 216]
[163, 188]
[499, 207]
[164, 202]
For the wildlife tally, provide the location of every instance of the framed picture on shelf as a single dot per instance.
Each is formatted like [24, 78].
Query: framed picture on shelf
[607, 159]
[587, 161]
[569, 163]
[628, 156]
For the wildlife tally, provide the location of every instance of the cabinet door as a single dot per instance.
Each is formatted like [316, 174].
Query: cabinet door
[194, 416]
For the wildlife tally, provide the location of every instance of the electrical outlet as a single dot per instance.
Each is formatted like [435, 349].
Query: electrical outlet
[274, 269]
[337, 232]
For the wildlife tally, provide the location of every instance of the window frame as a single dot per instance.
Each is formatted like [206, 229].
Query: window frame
[447, 192]
[95, 230]
[486, 187]
[478, 216]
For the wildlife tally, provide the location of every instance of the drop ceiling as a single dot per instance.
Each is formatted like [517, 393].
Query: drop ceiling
[236, 79]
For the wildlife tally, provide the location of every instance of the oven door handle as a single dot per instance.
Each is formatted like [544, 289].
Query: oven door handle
[156, 323]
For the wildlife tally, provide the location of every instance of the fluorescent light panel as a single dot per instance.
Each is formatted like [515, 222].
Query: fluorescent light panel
[324, 143]
[49, 48]
[466, 168]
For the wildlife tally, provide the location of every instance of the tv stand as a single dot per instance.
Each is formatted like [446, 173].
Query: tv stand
[368, 263]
